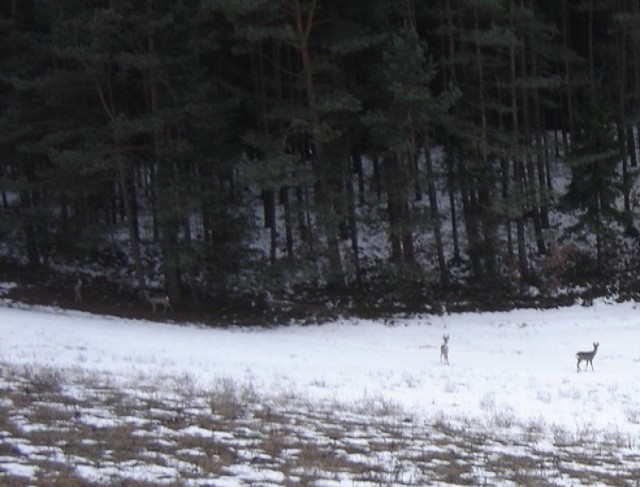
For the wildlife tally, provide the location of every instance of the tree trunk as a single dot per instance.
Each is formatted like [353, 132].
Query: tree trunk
[321, 166]
[359, 170]
[488, 248]
[518, 170]
[532, 190]
[451, 188]
[124, 176]
[168, 219]
[132, 220]
[623, 144]
[394, 206]
[435, 217]
[631, 146]
[377, 176]
[567, 76]
[269, 206]
[30, 230]
[353, 225]
[542, 162]
[471, 219]
[288, 220]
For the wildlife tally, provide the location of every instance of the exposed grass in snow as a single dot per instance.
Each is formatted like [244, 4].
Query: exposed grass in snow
[92, 400]
[69, 427]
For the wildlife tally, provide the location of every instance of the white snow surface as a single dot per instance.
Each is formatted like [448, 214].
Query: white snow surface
[519, 365]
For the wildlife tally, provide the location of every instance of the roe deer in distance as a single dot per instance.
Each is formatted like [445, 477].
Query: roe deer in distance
[444, 350]
[587, 357]
[156, 301]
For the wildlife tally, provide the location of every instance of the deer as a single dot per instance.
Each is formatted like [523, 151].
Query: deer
[587, 357]
[444, 350]
[156, 301]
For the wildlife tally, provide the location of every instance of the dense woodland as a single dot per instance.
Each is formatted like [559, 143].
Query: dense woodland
[262, 147]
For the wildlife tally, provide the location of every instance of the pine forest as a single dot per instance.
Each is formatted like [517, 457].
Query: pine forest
[366, 155]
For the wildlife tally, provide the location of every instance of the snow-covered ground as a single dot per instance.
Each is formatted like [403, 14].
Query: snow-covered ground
[512, 369]
[520, 363]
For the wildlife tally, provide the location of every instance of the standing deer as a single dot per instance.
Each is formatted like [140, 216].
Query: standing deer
[444, 350]
[587, 357]
[156, 301]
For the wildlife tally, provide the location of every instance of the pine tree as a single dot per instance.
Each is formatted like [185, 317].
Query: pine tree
[157, 113]
[594, 158]
[402, 114]
[35, 88]
[304, 106]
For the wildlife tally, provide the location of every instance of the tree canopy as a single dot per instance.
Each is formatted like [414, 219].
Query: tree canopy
[477, 137]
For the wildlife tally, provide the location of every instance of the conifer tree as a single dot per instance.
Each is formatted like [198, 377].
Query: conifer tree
[594, 184]
[403, 113]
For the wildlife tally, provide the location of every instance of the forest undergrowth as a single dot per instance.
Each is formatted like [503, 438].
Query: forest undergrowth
[310, 304]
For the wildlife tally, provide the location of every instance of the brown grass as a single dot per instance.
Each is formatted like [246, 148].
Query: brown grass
[210, 434]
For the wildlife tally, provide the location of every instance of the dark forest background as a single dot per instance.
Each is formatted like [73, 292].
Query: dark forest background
[364, 151]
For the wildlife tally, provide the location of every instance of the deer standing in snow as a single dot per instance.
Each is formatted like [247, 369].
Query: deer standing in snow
[587, 357]
[444, 350]
[156, 301]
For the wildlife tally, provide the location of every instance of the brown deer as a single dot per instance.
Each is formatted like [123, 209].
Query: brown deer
[156, 301]
[444, 350]
[587, 357]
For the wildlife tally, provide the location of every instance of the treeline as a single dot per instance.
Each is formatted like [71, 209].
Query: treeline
[436, 122]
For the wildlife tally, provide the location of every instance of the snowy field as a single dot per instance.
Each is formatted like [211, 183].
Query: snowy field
[512, 376]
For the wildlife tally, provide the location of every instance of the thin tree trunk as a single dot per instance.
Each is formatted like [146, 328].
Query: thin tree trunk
[359, 170]
[288, 220]
[269, 195]
[435, 217]
[518, 170]
[304, 225]
[353, 225]
[132, 221]
[531, 179]
[30, 230]
[450, 160]
[541, 153]
[622, 122]
[415, 167]
[326, 210]
[591, 41]
[567, 75]
[631, 146]
[506, 181]
[168, 223]
[394, 206]
[377, 176]
[489, 249]
[106, 98]
[269, 208]
[455, 235]
[506, 198]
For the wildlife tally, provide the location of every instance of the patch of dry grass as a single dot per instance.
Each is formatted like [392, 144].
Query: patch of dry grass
[62, 428]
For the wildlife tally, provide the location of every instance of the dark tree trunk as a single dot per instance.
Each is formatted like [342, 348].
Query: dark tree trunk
[435, 217]
[325, 189]
[288, 221]
[269, 206]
